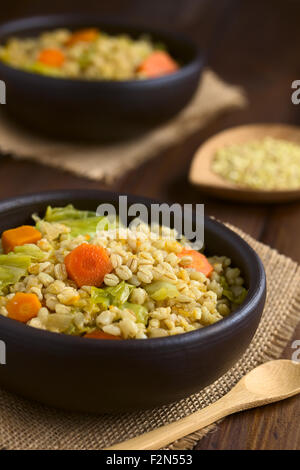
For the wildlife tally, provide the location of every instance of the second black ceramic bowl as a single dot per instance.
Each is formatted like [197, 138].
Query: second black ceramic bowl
[99, 376]
[98, 110]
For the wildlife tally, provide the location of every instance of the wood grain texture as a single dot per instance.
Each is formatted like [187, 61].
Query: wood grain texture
[252, 43]
[268, 383]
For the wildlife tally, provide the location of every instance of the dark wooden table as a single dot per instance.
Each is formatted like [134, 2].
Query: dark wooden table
[252, 43]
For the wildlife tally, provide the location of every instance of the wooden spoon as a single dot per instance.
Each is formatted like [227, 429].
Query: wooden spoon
[202, 175]
[270, 382]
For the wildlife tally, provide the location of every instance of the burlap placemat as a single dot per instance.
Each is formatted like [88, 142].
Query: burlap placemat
[28, 425]
[108, 162]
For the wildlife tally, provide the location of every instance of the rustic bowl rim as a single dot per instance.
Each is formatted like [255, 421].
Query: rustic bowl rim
[72, 19]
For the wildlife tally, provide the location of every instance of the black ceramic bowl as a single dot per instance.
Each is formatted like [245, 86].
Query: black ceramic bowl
[99, 376]
[100, 110]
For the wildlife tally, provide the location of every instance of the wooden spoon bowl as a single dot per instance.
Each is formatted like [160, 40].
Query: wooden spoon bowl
[267, 383]
[201, 173]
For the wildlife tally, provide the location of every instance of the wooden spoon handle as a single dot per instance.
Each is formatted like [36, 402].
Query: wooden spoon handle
[171, 432]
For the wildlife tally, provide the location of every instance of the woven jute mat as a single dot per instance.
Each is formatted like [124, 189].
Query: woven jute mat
[109, 162]
[28, 425]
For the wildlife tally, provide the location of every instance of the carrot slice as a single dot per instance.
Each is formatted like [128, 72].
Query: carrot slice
[157, 64]
[88, 264]
[52, 57]
[84, 35]
[199, 261]
[23, 307]
[97, 334]
[19, 236]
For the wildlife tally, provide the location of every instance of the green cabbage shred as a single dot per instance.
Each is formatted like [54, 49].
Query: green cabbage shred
[161, 290]
[80, 222]
[118, 296]
[13, 266]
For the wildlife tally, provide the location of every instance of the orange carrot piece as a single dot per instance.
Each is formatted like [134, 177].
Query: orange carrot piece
[23, 307]
[51, 57]
[157, 64]
[19, 236]
[83, 35]
[97, 334]
[88, 264]
[199, 261]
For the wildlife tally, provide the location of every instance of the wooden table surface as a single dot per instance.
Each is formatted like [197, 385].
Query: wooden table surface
[252, 43]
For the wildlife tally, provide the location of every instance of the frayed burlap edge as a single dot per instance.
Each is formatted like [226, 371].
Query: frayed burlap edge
[280, 342]
[110, 162]
[273, 351]
[29, 425]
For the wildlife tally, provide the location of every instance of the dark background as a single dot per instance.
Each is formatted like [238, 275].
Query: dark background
[178, 13]
[253, 43]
